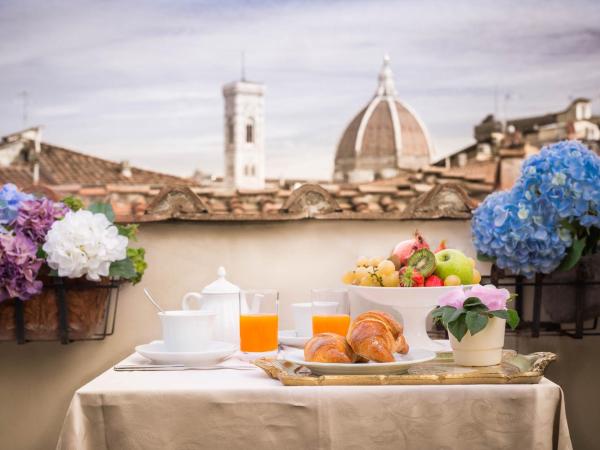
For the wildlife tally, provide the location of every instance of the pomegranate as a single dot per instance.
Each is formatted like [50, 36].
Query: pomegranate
[404, 250]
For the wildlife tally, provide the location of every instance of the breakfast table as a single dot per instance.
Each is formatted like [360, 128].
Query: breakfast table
[230, 409]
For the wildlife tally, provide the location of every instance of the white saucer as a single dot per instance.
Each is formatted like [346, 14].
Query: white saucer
[291, 338]
[215, 353]
[402, 363]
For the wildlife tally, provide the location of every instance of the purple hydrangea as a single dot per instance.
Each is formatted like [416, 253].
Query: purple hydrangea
[19, 267]
[35, 217]
[10, 202]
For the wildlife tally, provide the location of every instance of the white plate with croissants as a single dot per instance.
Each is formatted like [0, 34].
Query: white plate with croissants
[374, 345]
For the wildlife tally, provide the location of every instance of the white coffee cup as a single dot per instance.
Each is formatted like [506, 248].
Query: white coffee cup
[302, 313]
[187, 331]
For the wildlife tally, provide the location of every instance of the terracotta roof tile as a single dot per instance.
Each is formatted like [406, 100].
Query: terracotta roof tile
[59, 166]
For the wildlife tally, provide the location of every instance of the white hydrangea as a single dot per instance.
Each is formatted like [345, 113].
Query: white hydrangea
[84, 243]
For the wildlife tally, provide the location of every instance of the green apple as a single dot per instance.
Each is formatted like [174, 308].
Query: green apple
[453, 262]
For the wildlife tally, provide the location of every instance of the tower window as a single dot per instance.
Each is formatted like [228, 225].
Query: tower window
[252, 170]
[230, 131]
[250, 131]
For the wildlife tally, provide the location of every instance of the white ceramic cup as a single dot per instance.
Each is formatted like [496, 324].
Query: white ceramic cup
[187, 331]
[324, 308]
[302, 313]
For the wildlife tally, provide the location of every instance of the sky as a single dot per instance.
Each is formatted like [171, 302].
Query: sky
[141, 80]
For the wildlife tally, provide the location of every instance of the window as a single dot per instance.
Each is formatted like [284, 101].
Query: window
[252, 170]
[230, 131]
[250, 131]
[579, 112]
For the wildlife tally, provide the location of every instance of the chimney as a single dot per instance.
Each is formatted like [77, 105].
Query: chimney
[126, 169]
[37, 145]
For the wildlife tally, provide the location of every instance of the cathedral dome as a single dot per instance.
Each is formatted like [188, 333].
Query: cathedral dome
[383, 137]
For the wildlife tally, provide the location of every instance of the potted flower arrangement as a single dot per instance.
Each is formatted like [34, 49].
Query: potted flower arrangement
[548, 223]
[476, 321]
[47, 248]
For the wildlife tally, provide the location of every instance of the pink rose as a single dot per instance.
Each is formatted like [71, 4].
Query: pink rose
[492, 297]
[454, 297]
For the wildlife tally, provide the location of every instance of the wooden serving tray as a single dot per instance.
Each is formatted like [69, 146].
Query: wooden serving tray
[514, 369]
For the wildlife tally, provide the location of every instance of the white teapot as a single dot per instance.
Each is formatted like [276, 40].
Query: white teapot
[222, 297]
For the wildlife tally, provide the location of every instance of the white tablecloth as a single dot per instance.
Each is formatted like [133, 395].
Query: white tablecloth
[247, 410]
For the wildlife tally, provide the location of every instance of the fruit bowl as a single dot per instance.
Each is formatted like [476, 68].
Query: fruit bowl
[414, 305]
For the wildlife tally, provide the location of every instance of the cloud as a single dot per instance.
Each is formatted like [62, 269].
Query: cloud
[142, 80]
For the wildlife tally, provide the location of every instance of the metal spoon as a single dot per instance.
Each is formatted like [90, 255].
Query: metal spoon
[156, 305]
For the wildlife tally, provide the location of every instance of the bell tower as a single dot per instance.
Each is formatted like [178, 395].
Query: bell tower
[244, 135]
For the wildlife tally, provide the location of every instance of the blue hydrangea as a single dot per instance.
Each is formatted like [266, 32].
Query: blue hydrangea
[524, 229]
[566, 177]
[10, 202]
[521, 236]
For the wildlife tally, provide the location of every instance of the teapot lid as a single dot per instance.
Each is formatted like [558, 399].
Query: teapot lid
[221, 285]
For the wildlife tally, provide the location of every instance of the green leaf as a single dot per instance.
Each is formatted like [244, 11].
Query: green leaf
[500, 314]
[73, 203]
[513, 318]
[476, 322]
[123, 269]
[129, 231]
[573, 254]
[437, 313]
[458, 329]
[485, 258]
[103, 208]
[138, 258]
[451, 314]
[474, 304]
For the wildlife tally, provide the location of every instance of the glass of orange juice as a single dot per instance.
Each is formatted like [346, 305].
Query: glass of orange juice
[259, 321]
[330, 311]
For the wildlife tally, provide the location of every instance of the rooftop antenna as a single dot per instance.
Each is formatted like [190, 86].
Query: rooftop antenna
[25, 98]
[496, 101]
[243, 66]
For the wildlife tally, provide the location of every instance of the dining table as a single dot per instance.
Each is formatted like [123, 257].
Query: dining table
[246, 409]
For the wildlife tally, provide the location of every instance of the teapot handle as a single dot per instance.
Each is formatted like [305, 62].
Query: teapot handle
[187, 298]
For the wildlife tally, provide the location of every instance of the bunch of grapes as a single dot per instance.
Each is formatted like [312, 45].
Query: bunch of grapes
[373, 272]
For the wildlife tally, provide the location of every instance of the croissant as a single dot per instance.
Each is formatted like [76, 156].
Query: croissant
[329, 348]
[376, 335]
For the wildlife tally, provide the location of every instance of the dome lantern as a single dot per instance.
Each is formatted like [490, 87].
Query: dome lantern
[386, 79]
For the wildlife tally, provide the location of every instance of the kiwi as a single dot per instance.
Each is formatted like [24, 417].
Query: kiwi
[422, 260]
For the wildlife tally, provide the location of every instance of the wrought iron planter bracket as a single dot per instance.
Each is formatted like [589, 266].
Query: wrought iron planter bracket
[63, 317]
[498, 278]
[19, 321]
[61, 297]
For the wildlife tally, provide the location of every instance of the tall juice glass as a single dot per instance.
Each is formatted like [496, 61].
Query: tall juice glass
[259, 322]
[330, 311]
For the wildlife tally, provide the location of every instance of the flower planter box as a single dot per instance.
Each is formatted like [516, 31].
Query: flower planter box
[66, 310]
[567, 297]
[563, 293]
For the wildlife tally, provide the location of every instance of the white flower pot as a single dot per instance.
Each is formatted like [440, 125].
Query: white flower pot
[483, 349]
